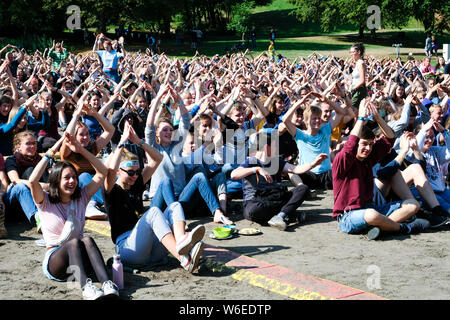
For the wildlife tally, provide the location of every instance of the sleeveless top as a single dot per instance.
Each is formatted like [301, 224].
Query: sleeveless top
[356, 77]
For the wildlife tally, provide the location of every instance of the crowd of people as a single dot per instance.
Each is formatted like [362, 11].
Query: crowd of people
[93, 136]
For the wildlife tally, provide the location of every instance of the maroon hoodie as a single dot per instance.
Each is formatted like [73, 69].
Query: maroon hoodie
[352, 178]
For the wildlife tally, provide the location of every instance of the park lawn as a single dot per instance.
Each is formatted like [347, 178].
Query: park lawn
[291, 48]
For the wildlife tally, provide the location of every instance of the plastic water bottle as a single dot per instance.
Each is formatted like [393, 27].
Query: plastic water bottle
[117, 271]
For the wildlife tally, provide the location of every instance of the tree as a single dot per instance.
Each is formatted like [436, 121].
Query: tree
[241, 17]
[394, 13]
[432, 13]
[331, 13]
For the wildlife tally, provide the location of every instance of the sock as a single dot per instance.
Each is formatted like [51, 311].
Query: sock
[405, 228]
[282, 214]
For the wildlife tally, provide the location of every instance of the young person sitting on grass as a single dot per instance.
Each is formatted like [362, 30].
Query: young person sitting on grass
[353, 183]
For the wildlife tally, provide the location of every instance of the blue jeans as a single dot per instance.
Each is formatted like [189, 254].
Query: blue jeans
[164, 194]
[19, 197]
[113, 74]
[353, 221]
[219, 183]
[199, 181]
[233, 186]
[83, 180]
[142, 245]
[442, 197]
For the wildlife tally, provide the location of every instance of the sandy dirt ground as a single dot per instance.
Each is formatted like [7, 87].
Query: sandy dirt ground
[395, 267]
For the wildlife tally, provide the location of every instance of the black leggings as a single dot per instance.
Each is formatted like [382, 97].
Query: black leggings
[263, 211]
[82, 256]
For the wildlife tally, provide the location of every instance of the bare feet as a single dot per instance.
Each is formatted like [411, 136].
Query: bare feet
[219, 217]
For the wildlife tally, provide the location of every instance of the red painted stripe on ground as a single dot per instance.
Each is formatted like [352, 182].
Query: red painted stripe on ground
[310, 285]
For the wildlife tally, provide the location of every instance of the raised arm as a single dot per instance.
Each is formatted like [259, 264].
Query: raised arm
[108, 128]
[36, 189]
[287, 118]
[100, 169]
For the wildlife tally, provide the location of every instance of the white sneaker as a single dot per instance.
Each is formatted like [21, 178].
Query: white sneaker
[277, 222]
[93, 212]
[194, 257]
[185, 244]
[90, 291]
[110, 288]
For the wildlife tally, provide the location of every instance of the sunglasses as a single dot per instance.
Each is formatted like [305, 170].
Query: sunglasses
[132, 172]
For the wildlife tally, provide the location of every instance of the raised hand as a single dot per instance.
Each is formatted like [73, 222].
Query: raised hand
[73, 144]
[319, 159]
[404, 142]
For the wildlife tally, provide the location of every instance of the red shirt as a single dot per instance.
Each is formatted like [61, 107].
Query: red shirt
[352, 178]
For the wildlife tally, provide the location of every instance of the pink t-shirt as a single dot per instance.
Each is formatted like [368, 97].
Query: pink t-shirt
[54, 215]
[428, 69]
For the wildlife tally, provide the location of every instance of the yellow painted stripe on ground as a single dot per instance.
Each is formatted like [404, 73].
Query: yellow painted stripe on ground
[103, 229]
[260, 281]
[276, 286]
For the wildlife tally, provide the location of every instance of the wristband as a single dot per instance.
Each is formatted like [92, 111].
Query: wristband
[254, 170]
[142, 142]
[366, 119]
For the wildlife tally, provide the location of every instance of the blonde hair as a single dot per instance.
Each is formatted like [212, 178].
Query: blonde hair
[311, 110]
[20, 136]
[434, 107]
[11, 115]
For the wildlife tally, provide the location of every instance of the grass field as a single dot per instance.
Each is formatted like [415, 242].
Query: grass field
[301, 39]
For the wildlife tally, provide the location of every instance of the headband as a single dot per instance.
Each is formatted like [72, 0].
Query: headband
[129, 163]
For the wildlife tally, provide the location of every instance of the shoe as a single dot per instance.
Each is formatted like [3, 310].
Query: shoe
[190, 239]
[3, 231]
[194, 257]
[146, 195]
[373, 233]
[438, 210]
[110, 289]
[311, 195]
[90, 291]
[277, 222]
[418, 225]
[299, 218]
[40, 243]
[435, 220]
[93, 211]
